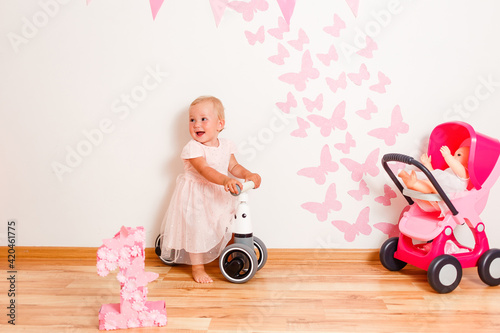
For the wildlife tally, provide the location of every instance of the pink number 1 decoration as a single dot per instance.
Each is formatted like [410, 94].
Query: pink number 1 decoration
[126, 252]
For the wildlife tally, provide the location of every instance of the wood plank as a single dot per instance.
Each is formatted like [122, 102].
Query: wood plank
[58, 290]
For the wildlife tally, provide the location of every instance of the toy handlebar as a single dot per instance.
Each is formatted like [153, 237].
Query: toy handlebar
[393, 157]
[246, 186]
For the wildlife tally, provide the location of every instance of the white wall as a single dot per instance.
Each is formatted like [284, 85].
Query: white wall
[73, 77]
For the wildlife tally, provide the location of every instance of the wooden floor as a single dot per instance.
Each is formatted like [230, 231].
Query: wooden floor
[297, 291]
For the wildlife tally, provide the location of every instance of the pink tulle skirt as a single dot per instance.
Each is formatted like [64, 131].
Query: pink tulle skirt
[197, 225]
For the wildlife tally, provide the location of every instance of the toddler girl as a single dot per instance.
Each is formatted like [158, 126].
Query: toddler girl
[196, 227]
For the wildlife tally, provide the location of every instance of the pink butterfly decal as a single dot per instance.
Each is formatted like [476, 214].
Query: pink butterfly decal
[358, 78]
[326, 58]
[321, 209]
[316, 104]
[300, 79]
[382, 82]
[299, 43]
[301, 131]
[291, 102]
[371, 46]
[338, 25]
[247, 9]
[280, 30]
[327, 125]
[362, 190]
[360, 226]
[370, 108]
[279, 59]
[397, 127]
[340, 83]
[391, 230]
[349, 143]
[326, 165]
[388, 195]
[358, 170]
[257, 37]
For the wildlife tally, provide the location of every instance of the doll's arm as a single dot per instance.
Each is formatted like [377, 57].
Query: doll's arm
[239, 171]
[214, 176]
[426, 161]
[453, 163]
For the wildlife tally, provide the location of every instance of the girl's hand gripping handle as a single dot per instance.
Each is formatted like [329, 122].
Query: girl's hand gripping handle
[246, 186]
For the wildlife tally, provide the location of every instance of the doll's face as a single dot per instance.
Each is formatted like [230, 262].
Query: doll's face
[204, 124]
[462, 155]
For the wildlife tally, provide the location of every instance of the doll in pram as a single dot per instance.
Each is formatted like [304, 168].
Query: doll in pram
[426, 228]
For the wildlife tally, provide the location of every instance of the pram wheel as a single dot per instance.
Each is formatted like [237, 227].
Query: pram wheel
[260, 251]
[166, 259]
[444, 273]
[386, 255]
[238, 263]
[488, 267]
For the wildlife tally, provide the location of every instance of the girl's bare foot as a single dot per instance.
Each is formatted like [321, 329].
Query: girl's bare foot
[199, 274]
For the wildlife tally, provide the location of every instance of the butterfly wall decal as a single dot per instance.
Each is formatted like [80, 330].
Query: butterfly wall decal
[280, 30]
[322, 209]
[326, 166]
[248, 9]
[301, 131]
[299, 80]
[360, 192]
[279, 59]
[327, 125]
[358, 170]
[349, 143]
[316, 104]
[370, 108]
[351, 230]
[389, 134]
[338, 25]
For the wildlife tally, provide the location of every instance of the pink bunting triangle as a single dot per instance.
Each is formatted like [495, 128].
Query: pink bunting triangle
[88, 1]
[287, 7]
[354, 5]
[155, 6]
[218, 8]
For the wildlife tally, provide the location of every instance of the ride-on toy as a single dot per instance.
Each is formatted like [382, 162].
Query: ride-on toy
[239, 261]
[426, 237]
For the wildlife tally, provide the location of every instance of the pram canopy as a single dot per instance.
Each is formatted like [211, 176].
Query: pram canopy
[483, 155]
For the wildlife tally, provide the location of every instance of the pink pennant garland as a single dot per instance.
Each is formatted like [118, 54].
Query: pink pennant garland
[218, 8]
[287, 7]
[354, 5]
[155, 6]
[88, 1]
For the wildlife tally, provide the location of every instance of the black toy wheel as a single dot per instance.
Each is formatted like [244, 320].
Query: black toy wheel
[444, 273]
[167, 259]
[386, 255]
[238, 263]
[488, 267]
[260, 252]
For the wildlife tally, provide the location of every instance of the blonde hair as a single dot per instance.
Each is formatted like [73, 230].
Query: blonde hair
[219, 108]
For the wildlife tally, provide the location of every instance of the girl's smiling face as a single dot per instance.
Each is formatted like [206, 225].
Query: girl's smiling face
[204, 124]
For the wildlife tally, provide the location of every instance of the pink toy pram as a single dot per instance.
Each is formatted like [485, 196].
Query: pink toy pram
[426, 237]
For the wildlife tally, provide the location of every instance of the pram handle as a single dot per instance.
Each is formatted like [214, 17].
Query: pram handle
[246, 186]
[394, 157]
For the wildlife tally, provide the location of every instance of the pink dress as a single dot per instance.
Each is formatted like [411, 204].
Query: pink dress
[200, 213]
